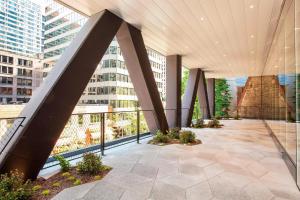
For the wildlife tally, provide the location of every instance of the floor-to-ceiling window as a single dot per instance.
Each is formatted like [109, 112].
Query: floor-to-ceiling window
[280, 82]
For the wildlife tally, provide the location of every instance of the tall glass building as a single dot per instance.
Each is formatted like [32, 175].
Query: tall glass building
[21, 27]
[110, 84]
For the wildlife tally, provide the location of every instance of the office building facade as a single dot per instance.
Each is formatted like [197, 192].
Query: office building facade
[19, 77]
[21, 27]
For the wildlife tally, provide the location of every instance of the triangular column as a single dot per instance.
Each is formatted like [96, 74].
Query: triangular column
[138, 65]
[50, 108]
[189, 97]
[202, 96]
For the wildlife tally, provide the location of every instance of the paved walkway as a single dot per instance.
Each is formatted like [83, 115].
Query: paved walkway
[236, 162]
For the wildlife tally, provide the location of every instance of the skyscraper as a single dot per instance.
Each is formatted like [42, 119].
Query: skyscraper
[20, 27]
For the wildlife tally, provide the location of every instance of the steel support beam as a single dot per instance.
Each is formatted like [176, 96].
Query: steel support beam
[50, 108]
[138, 65]
[173, 90]
[202, 97]
[211, 95]
[189, 97]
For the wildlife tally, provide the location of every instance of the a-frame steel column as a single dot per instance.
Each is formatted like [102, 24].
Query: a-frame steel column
[189, 97]
[202, 97]
[138, 65]
[49, 110]
[211, 95]
[173, 90]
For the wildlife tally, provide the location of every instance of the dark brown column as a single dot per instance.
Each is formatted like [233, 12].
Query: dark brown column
[173, 90]
[202, 96]
[211, 95]
[136, 59]
[189, 97]
[49, 110]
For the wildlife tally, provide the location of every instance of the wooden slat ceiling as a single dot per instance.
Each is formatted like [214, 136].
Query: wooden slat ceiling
[227, 38]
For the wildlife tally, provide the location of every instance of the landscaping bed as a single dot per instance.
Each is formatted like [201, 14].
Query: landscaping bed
[214, 123]
[175, 136]
[46, 189]
[13, 186]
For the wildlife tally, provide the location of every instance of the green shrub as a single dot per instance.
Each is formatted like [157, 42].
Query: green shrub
[77, 182]
[45, 192]
[97, 177]
[214, 123]
[105, 167]
[66, 174]
[56, 184]
[161, 138]
[64, 164]
[187, 137]
[12, 186]
[91, 164]
[71, 178]
[36, 188]
[174, 133]
[199, 124]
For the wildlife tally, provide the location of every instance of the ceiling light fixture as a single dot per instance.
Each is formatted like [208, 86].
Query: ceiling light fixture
[202, 18]
[251, 6]
[217, 42]
[252, 52]
[252, 36]
[224, 55]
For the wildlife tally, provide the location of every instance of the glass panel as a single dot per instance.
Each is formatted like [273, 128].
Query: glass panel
[297, 55]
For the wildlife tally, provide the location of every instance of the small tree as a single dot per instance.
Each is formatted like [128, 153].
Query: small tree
[222, 98]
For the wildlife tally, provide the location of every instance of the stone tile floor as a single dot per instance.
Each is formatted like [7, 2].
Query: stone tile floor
[238, 161]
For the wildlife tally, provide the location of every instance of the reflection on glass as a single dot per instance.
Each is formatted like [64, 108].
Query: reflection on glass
[283, 98]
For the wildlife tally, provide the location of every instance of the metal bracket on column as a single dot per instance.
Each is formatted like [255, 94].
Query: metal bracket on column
[173, 90]
[138, 65]
[202, 97]
[189, 97]
[50, 108]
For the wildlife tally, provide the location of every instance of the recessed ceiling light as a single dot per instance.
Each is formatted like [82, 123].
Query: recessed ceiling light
[276, 66]
[252, 52]
[224, 55]
[217, 42]
[251, 6]
[252, 36]
[186, 47]
[202, 18]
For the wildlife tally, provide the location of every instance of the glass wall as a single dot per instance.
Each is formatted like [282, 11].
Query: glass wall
[280, 82]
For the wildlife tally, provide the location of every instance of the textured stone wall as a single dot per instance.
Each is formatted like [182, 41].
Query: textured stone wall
[262, 97]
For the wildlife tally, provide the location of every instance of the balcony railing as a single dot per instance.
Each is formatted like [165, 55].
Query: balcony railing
[90, 132]
[8, 128]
